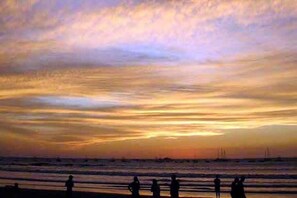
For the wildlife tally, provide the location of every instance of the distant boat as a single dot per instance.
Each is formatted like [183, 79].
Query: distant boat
[58, 159]
[267, 155]
[221, 156]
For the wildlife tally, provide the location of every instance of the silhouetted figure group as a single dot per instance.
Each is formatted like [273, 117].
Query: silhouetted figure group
[134, 188]
[237, 188]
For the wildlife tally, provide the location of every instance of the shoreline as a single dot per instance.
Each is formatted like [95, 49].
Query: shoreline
[163, 159]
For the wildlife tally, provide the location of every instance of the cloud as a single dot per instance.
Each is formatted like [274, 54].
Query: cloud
[124, 103]
[141, 32]
[77, 102]
[82, 74]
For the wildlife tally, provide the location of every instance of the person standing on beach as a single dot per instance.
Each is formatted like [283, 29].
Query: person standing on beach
[155, 189]
[241, 192]
[16, 190]
[134, 187]
[69, 184]
[234, 188]
[174, 187]
[217, 184]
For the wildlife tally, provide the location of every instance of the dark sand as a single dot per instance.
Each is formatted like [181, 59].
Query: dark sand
[32, 193]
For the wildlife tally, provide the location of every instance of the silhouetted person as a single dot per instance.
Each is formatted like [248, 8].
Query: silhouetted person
[174, 187]
[134, 187]
[217, 184]
[16, 186]
[155, 189]
[241, 193]
[16, 190]
[69, 184]
[234, 188]
[13, 191]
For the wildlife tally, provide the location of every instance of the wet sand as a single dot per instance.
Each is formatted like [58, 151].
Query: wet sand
[33, 193]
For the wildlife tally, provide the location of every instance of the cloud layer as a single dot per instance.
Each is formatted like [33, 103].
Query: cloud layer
[85, 73]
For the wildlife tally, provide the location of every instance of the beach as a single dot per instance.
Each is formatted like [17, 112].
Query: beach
[34, 193]
[31, 193]
[269, 179]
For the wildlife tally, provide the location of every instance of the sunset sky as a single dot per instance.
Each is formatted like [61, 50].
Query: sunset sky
[145, 79]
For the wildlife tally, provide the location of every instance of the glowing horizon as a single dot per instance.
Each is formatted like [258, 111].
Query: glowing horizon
[148, 78]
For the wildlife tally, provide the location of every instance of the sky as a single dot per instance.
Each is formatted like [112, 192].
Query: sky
[146, 79]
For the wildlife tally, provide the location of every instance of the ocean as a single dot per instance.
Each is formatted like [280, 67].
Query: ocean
[264, 178]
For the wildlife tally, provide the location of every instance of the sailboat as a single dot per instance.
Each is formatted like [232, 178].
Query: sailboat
[267, 155]
[221, 156]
